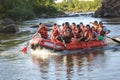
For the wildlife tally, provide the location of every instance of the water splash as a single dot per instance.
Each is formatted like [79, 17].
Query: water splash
[43, 53]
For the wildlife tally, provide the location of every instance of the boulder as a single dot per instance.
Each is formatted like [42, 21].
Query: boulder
[8, 26]
[11, 28]
[34, 26]
[24, 32]
[109, 8]
[7, 21]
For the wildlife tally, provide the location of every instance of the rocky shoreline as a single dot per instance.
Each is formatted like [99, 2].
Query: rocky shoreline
[109, 8]
[8, 25]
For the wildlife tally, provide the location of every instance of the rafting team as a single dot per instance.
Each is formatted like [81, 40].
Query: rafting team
[79, 32]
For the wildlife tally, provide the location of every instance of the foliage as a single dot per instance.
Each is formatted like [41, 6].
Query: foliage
[79, 5]
[26, 9]
[29, 9]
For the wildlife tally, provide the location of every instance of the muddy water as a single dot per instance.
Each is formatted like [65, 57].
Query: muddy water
[90, 64]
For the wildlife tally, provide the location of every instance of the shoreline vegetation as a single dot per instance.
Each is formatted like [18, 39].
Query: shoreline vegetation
[20, 10]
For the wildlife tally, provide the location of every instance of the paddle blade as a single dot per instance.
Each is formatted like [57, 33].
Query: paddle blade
[24, 50]
[116, 40]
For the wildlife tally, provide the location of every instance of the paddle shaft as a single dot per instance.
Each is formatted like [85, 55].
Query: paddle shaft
[117, 41]
[62, 38]
[63, 41]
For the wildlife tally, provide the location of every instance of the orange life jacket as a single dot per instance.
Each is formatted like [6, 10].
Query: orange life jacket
[86, 34]
[55, 33]
[78, 35]
[43, 32]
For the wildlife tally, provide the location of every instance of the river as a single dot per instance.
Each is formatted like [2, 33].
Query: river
[100, 63]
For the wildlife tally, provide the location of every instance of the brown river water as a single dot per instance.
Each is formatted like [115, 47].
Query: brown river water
[101, 63]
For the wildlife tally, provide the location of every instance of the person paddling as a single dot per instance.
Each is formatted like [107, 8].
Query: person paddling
[95, 24]
[94, 33]
[73, 26]
[82, 27]
[42, 31]
[55, 32]
[78, 35]
[66, 33]
[103, 31]
[87, 33]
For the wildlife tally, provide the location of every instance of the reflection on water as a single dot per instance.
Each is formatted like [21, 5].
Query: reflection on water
[70, 66]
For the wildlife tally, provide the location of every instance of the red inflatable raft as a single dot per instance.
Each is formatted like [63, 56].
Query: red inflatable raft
[40, 42]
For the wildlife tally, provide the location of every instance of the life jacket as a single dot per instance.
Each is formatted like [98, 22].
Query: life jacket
[102, 33]
[73, 29]
[96, 26]
[55, 33]
[63, 30]
[43, 32]
[78, 35]
[67, 31]
[86, 34]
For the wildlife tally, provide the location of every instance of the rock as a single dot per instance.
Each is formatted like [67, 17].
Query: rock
[109, 8]
[24, 32]
[11, 28]
[7, 21]
[49, 25]
[8, 26]
[34, 26]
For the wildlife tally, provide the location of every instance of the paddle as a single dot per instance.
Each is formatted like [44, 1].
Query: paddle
[117, 41]
[63, 41]
[24, 49]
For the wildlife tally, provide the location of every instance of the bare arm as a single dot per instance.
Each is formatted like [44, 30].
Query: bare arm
[36, 33]
[108, 32]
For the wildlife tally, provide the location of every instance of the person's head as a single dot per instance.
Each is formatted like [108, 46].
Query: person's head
[40, 23]
[54, 26]
[88, 26]
[96, 22]
[63, 24]
[78, 26]
[77, 29]
[66, 24]
[81, 23]
[101, 23]
[92, 28]
[73, 24]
